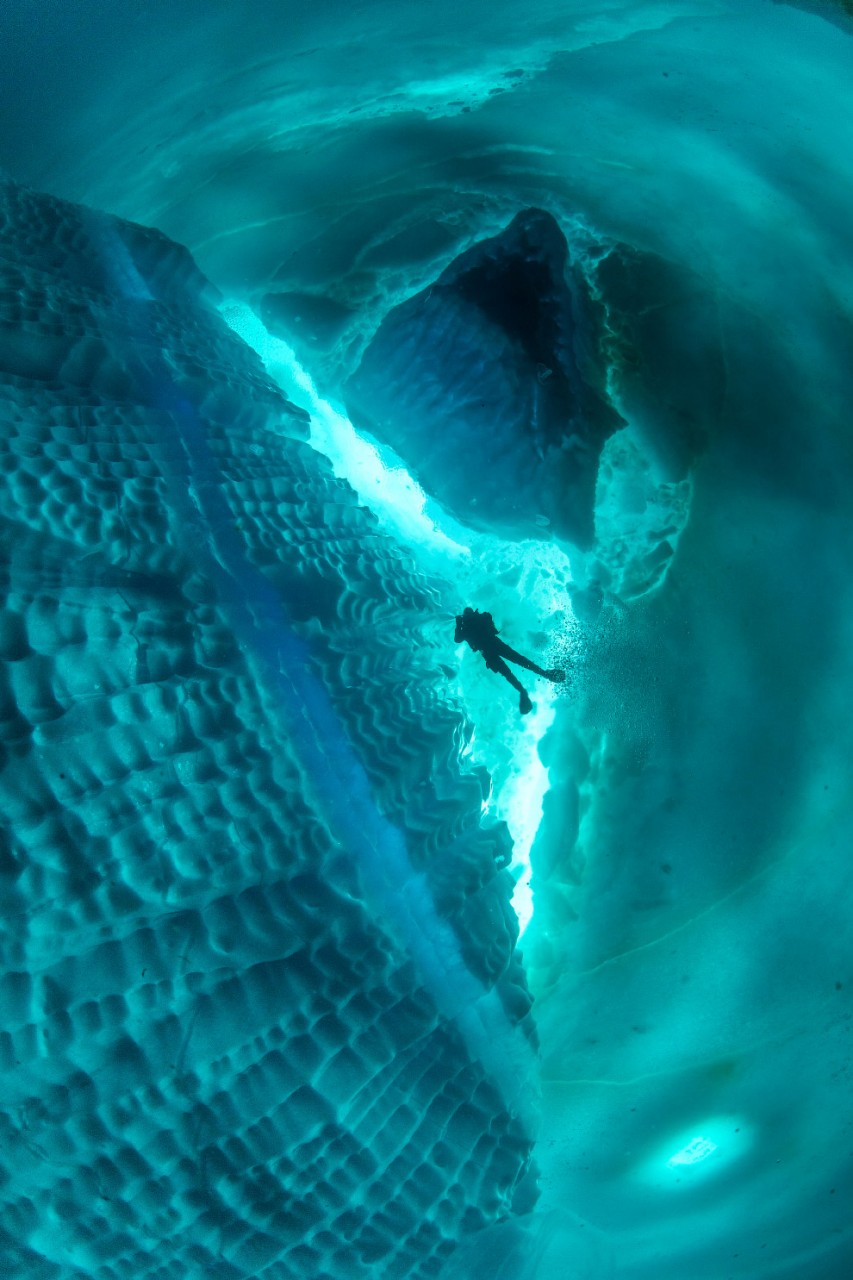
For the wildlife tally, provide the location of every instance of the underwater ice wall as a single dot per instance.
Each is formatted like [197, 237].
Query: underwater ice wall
[260, 1009]
[690, 945]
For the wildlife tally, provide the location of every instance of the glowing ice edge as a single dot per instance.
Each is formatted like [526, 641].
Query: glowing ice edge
[443, 548]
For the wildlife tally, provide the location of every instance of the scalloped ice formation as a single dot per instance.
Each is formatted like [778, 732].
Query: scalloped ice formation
[261, 1010]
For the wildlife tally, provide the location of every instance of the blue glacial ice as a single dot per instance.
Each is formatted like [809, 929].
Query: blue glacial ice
[317, 323]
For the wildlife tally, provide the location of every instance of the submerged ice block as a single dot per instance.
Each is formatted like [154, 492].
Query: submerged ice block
[261, 1008]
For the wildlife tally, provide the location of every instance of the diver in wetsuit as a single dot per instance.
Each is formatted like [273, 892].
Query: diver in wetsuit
[479, 631]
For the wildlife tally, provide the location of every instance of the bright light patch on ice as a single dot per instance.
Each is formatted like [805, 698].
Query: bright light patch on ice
[521, 802]
[522, 902]
[691, 1158]
[390, 493]
[697, 1150]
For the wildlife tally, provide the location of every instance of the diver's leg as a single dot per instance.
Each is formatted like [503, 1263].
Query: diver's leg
[498, 665]
[553, 673]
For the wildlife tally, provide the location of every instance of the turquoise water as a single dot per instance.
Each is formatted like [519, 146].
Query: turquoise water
[282, 868]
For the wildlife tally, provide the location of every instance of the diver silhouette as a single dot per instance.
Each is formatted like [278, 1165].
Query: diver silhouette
[480, 633]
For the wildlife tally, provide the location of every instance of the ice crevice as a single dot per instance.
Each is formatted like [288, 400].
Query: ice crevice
[458, 560]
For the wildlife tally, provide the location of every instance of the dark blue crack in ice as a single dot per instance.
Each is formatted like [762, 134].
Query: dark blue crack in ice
[316, 324]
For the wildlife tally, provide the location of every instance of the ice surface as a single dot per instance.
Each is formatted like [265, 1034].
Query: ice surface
[254, 935]
[690, 945]
[837, 11]
[485, 384]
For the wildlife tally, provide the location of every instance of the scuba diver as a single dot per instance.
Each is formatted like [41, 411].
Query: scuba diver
[479, 631]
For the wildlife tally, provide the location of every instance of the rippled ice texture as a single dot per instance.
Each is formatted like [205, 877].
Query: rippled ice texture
[690, 949]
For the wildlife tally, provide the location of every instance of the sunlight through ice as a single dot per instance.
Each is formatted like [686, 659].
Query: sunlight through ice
[399, 503]
[389, 492]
